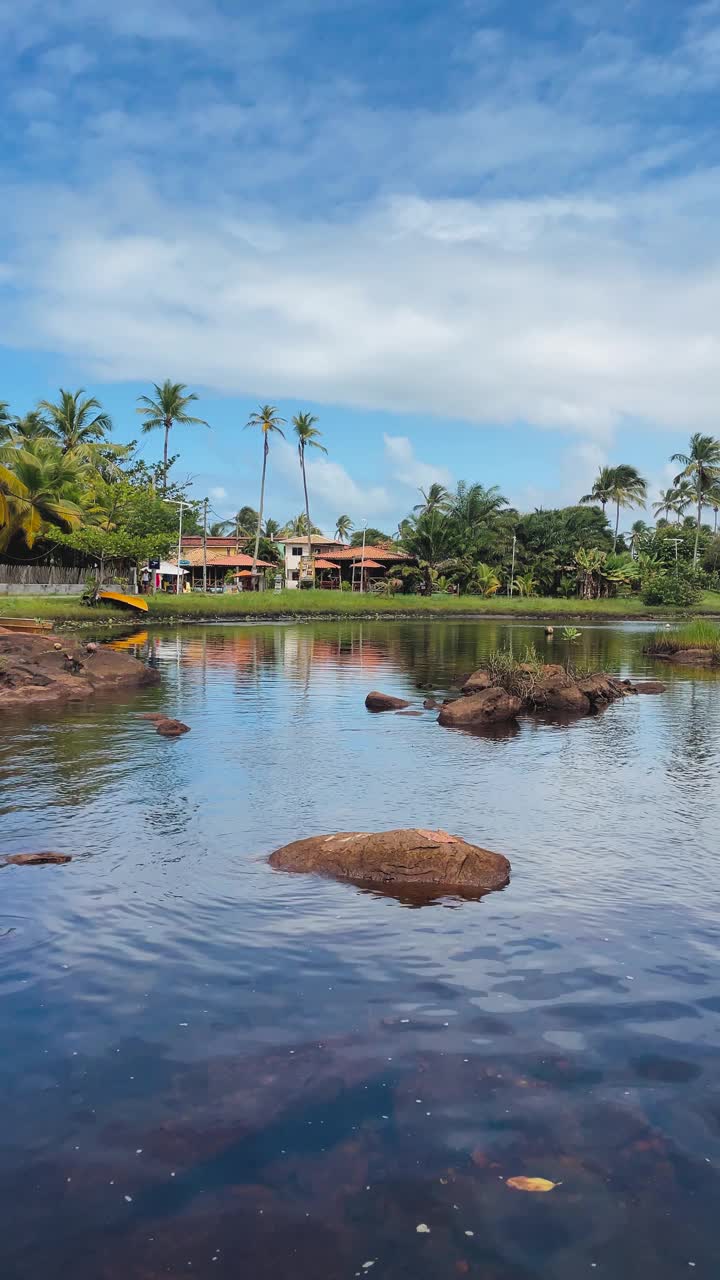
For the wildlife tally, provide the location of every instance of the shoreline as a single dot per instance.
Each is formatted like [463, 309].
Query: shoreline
[285, 607]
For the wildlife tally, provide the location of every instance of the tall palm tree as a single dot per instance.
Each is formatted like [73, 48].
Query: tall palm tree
[683, 497]
[37, 488]
[33, 426]
[268, 420]
[308, 437]
[473, 504]
[627, 489]
[436, 496]
[168, 407]
[343, 528]
[271, 529]
[74, 420]
[701, 466]
[600, 491]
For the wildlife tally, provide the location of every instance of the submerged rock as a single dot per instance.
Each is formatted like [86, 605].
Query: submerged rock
[172, 728]
[384, 702]
[650, 686]
[37, 859]
[155, 717]
[491, 706]
[415, 857]
[688, 657]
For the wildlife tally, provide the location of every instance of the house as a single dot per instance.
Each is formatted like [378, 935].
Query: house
[362, 566]
[226, 557]
[294, 552]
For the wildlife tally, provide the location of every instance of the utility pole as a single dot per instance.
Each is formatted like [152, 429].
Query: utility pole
[511, 586]
[205, 511]
[178, 502]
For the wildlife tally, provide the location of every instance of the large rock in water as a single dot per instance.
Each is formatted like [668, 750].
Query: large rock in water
[429, 860]
[37, 859]
[33, 671]
[478, 681]
[384, 702]
[490, 706]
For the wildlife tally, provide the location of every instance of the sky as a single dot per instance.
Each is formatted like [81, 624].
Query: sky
[477, 238]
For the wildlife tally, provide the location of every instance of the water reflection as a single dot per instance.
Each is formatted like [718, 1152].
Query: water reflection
[213, 1069]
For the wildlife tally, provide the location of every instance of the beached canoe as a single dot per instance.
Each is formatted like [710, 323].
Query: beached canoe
[24, 624]
[120, 597]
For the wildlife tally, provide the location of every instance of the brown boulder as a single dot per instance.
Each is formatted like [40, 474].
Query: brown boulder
[431, 704]
[689, 657]
[602, 689]
[172, 728]
[554, 695]
[478, 681]
[37, 668]
[37, 859]
[384, 702]
[430, 859]
[650, 686]
[491, 706]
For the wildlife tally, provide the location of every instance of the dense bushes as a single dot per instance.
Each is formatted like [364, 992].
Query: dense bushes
[683, 589]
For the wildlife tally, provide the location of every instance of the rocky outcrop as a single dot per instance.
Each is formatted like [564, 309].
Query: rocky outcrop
[478, 710]
[432, 860]
[384, 702]
[475, 683]
[34, 671]
[36, 859]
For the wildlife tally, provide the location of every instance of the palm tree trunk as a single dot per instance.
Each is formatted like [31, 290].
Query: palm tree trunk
[307, 511]
[617, 526]
[168, 424]
[716, 516]
[262, 504]
[699, 518]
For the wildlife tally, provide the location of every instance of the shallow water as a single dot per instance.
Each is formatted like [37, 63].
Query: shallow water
[213, 1069]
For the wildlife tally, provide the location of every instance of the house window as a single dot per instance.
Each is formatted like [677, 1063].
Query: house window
[295, 575]
[297, 551]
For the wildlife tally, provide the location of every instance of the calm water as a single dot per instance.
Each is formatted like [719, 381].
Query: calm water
[213, 1069]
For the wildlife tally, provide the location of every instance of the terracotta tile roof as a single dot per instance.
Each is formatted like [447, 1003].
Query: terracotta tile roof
[370, 564]
[228, 540]
[300, 540]
[384, 555]
[321, 563]
[220, 558]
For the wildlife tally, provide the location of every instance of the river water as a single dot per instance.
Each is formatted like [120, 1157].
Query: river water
[213, 1069]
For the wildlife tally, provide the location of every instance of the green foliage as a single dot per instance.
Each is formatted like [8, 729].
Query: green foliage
[696, 635]
[681, 589]
[372, 537]
[570, 633]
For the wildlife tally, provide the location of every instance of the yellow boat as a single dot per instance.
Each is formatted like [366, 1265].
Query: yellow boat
[119, 597]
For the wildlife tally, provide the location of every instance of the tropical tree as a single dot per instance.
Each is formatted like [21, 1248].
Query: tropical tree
[269, 421]
[526, 584]
[271, 529]
[600, 491]
[38, 488]
[436, 496]
[627, 489]
[6, 421]
[487, 580]
[343, 528]
[701, 468]
[665, 502]
[167, 408]
[75, 420]
[308, 437]
[32, 426]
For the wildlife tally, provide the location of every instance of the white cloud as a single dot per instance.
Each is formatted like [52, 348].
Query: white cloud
[333, 491]
[218, 493]
[68, 59]
[408, 469]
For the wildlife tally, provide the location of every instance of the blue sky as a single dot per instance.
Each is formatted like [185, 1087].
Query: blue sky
[479, 238]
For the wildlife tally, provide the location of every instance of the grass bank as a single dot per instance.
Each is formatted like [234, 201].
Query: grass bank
[334, 604]
[700, 634]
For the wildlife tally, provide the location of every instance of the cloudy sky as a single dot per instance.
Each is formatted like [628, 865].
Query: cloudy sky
[478, 238]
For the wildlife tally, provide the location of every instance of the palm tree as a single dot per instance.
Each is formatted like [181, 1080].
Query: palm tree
[436, 496]
[343, 528]
[627, 489]
[169, 406]
[683, 497]
[6, 421]
[271, 529]
[600, 491]
[73, 420]
[220, 528]
[37, 488]
[665, 502]
[308, 436]
[701, 466]
[268, 420]
[473, 504]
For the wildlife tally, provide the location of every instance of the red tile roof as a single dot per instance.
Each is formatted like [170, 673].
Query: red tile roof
[385, 555]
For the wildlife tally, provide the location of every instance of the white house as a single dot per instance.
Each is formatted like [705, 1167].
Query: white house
[295, 552]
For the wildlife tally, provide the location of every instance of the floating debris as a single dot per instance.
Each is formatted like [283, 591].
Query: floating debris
[531, 1184]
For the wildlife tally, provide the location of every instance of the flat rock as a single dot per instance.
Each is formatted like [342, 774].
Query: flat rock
[37, 859]
[689, 657]
[34, 671]
[401, 858]
[490, 706]
[650, 686]
[376, 701]
[478, 681]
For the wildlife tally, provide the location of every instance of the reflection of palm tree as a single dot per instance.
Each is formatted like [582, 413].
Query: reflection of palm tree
[701, 466]
[268, 420]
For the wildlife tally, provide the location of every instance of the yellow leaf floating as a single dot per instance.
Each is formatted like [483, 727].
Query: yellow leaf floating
[531, 1184]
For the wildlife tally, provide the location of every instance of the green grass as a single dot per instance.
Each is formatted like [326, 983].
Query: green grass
[330, 604]
[696, 635]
